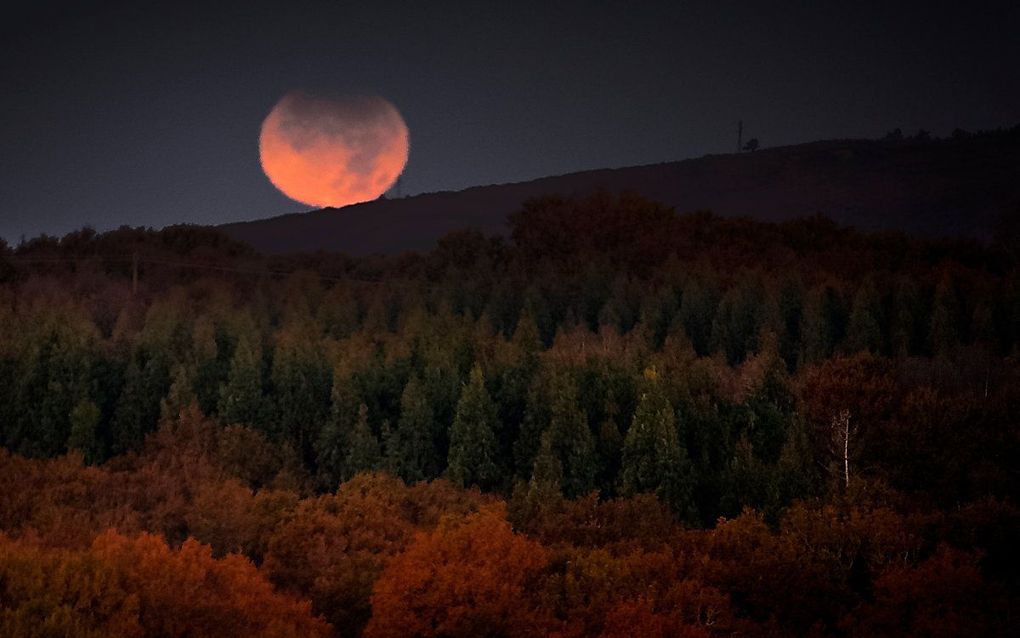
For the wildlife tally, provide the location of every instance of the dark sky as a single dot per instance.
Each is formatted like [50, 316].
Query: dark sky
[148, 113]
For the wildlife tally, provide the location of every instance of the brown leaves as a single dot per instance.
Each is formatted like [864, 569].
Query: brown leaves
[121, 586]
[467, 578]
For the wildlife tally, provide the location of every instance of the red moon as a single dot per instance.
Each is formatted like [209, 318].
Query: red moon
[333, 151]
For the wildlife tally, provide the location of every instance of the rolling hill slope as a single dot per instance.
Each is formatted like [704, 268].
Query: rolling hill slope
[956, 186]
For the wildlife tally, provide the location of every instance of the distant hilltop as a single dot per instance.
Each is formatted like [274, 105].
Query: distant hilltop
[958, 186]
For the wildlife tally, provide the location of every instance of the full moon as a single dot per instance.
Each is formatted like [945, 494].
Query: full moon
[333, 151]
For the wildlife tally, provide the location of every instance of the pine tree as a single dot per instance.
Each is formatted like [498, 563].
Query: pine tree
[945, 330]
[824, 324]
[334, 440]
[526, 335]
[533, 424]
[656, 315]
[697, 310]
[301, 383]
[621, 309]
[472, 442]
[752, 482]
[84, 435]
[571, 439]
[211, 365]
[181, 395]
[410, 450]
[138, 407]
[906, 332]
[797, 470]
[609, 446]
[547, 477]
[241, 396]
[653, 458]
[737, 321]
[531, 501]
[54, 374]
[537, 307]
[867, 319]
[363, 455]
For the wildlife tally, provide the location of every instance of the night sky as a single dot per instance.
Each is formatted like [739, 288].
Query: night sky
[148, 113]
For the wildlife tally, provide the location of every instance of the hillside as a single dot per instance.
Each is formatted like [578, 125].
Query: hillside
[956, 186]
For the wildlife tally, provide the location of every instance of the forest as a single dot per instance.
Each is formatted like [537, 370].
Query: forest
[615, 421]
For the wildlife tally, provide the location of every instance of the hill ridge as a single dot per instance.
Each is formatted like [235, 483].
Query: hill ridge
[955, 186]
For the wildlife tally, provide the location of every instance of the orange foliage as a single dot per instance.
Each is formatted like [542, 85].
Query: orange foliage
[469, 577]
[942, 596]
[638, 618]
[140, 587]
[332, 548]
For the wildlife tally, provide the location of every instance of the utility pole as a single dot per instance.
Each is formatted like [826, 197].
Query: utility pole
[134, 273]
[740, 135]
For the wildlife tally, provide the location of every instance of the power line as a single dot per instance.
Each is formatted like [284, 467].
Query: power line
[135, 260]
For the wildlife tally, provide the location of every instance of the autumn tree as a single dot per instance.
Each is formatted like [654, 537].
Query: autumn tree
[467, 578]
[140, 587]
[845, 398]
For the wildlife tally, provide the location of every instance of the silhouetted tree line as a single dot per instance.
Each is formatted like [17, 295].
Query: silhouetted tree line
[797, 379]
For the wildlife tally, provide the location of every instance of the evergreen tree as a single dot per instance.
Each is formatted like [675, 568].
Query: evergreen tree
[527, 337]
[511, 397]
[241, 396]
[363, 454]
[789, 304]
[653, 458]
[824, 324]
[211, 364]
[571, 439]
[906, 333]
[137, 413]
[533, 424]
[697, 310]
[737, 321]
[945, 330]
[867, 319]
[752, 483]
[547, 476]
[301, 383]
[609, 447]
[542, 494]
[410, 449]
[769, 407]
[797, 471]
[594, 292]
[85, 437]
[621, 309]
[180, 395]
[54, 373]
[472, 442]
[334, 440]
[537, 307]
[338, 314]
[656, 315]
